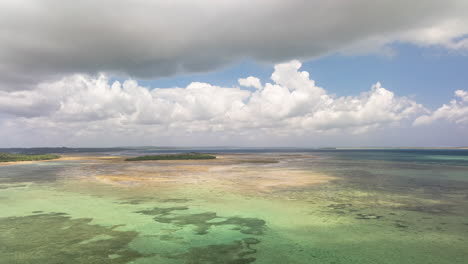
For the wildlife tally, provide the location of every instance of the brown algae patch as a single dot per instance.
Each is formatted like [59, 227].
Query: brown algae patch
[128, 180]
[55, 238]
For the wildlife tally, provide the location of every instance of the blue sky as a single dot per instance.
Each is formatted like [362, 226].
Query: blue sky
[430, 75]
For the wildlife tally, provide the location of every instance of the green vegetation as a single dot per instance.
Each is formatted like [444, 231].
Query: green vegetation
[183, 156]
[5, 157]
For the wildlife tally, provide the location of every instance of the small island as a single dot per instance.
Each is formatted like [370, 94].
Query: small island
[8, 157]
[182, 156]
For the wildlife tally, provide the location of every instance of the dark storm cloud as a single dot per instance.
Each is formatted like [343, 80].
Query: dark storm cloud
[43, 39]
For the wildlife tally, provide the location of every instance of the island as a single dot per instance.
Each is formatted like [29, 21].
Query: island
[182, 156]
[8, 157]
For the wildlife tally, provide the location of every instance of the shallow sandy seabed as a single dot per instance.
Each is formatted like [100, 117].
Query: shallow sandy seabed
[227, 172]
[62, 158]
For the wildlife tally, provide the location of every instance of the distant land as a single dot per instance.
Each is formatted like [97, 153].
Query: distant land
[185, 156]
[8, 157]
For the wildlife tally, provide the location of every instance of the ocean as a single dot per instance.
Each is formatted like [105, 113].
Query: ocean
[251, 205]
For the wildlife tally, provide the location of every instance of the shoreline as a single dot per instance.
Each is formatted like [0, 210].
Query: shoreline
[62, 158]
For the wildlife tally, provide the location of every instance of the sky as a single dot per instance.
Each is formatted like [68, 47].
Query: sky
[254, 73]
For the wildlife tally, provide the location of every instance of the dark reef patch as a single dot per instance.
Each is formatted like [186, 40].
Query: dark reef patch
[204, 221]
[162, 210]
[237, 252]
[368, 216]
[431, 209]
[140, 200]
[200, 221]
[381, 178]
[56, 238]
[175, 200]
[133, 201]
[339, 206]
[251, 226]
[13, 186]
[11, 175]
[401, 224]
[259, 161]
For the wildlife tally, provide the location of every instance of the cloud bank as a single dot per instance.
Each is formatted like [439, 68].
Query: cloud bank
[47, 39]
[83, 106]
[454, 112]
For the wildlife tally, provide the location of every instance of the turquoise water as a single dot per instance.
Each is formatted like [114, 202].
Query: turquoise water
[284, 206]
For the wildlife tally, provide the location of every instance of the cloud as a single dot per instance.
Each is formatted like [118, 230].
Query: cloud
[462, 94]
[80, 106]
[43, 40]
[251, 82]
[455, 112]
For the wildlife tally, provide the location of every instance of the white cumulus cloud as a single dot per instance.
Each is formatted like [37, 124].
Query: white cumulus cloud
[251, 82]
[456, 111]
[86, 106]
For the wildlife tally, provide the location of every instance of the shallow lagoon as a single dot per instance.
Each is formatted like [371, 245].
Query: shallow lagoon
[349, 206]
